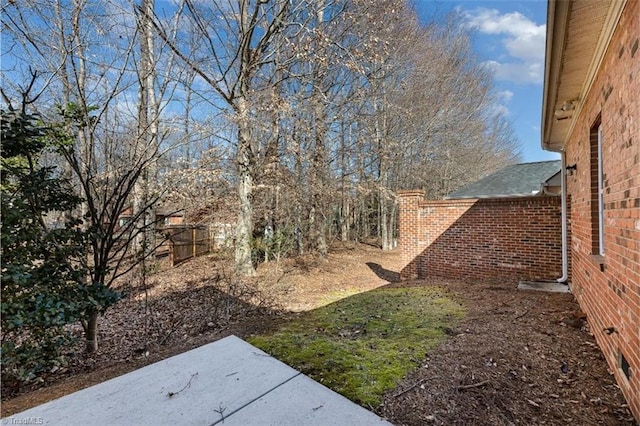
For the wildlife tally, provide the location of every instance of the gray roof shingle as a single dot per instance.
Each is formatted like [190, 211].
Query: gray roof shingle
[517, 180]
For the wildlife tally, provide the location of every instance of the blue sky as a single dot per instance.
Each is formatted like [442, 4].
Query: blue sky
[508, 37]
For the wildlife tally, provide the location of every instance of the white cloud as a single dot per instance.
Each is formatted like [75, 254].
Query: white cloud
[500, 107]
[517, 72]
[522, 39]
[501, 110]
[505, 95]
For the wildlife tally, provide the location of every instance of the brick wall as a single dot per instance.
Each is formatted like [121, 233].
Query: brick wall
[608, 288]
[507, 238]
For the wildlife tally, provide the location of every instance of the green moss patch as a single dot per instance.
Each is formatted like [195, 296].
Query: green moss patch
[365, 344]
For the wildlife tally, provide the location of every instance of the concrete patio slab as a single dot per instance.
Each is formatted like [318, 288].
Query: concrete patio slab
[224, 382]
[550, 286]
[303, 401]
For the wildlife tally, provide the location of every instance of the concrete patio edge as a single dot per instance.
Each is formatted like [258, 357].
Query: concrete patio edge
[226, 382]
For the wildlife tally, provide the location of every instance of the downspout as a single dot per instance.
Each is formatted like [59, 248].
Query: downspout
[563, 195]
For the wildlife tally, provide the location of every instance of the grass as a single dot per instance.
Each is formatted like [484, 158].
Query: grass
[363, 345]
[334, 296]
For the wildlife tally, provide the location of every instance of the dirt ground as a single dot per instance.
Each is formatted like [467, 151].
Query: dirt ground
[519, 357]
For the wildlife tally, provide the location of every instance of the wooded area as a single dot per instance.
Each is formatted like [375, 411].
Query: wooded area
[295, 120]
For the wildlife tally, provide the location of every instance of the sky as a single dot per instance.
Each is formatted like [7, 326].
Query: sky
[508, 37]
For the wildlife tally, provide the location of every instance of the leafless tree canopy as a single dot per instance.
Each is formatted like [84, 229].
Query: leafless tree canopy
[295, 120]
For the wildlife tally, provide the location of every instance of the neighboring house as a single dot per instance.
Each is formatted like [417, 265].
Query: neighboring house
[516, 180]
[165, 215]
[125, 216]
[169, 215]
[591, 114]
[553, 185]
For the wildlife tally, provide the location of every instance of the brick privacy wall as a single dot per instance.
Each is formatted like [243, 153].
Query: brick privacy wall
[507, 238]
[611, 296]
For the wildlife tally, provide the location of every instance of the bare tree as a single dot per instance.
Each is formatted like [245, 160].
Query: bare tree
[236, 45]
[147, 127]
[90, 83]
[317, 111]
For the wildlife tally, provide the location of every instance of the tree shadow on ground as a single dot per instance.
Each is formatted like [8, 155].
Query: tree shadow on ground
[385, 274]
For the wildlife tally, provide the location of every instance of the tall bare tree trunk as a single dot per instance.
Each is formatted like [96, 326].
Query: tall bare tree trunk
[64, 79]
[384, 216]
[317, 218]
[84, 141]
[317, 221]
[191, 75]
[392, 225]
[298, 212]
[244, 233]
[146, 142]
[343, 218]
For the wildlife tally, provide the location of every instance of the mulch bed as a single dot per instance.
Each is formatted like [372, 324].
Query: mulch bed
[519, 357]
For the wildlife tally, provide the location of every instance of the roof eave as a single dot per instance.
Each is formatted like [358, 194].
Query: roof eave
[557, 20]
[558, 16]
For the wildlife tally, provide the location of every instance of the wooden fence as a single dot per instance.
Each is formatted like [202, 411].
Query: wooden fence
[187, 241]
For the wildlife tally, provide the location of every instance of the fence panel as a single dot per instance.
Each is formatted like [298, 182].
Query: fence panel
[201, 240]
[187, 241]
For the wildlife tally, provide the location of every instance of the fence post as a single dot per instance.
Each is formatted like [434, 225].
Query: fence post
[194, 247]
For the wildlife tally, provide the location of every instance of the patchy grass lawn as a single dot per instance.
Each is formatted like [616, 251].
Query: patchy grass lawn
[363, 345]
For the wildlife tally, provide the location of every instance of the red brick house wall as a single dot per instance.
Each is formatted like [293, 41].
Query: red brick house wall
[608, 287]
[506, 238]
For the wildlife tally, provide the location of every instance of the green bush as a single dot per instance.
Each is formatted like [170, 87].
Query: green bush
[273, 246]
[43, 277]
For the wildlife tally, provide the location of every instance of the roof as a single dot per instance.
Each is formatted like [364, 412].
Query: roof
[578, 34]
[517, 180]
[555, 180]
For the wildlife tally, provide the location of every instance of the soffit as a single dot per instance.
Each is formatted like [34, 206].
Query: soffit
[578, 33]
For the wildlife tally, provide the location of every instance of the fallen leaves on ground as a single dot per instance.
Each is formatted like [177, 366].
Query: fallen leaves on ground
[518, 357]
